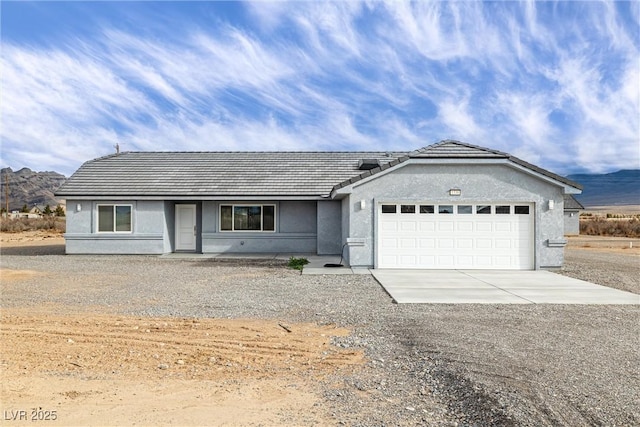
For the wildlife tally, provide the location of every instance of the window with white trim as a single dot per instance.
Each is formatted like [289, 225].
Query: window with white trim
[114, 218]
[247, 218]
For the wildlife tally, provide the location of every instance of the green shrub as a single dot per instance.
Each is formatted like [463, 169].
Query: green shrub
[297, 263]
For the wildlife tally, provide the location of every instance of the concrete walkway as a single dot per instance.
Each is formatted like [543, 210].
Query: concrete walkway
[495, 287]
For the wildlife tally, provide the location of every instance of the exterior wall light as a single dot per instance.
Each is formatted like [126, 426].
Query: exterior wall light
[455, 192]
[78, 207]
[363, 204]
[551, 204]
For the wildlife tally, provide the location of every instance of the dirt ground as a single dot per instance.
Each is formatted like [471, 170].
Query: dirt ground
[621, 245]
[30, 238]
[104, 369]
[97, 369]
[94, 367]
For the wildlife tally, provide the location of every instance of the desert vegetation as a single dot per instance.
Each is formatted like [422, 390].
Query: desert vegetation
[18, 225]
[607, 226]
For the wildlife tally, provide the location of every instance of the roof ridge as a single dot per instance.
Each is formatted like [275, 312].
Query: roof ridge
[257, 151]
[459, 143]
[106, 156]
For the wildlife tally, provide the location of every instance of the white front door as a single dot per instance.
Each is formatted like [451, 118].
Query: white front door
[185, 227]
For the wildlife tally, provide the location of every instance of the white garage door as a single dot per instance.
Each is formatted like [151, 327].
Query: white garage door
[456, 236]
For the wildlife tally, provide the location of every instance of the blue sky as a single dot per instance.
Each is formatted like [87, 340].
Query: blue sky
[554, 83]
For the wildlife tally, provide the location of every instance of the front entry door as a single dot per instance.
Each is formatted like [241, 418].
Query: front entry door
[185, 227]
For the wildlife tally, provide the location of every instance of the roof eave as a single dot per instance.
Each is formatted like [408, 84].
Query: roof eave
[199, 197]
[568, 186]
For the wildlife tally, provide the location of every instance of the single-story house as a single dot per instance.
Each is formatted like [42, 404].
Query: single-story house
[450, 205]
[37, 210]
[572, 208]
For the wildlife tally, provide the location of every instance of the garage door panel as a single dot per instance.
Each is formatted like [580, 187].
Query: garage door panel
[389, 243]
[446, 226]
[484, 226]
[387, 261]
[427, 243]
[427, 261]
[520, 243]
[502, 244]
[427, 226]
[483, 261]
[484, 243]
[446, 261]
[464, 226]
[503, 226]
[407, 243]
[464, 261]
[502, 261]
[408, 226]
[408, 261]
[463, 243]
[447, 243]
[459, 238]
[389, 226]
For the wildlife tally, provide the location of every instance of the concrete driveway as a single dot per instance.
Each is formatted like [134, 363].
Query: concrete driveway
[495, 287]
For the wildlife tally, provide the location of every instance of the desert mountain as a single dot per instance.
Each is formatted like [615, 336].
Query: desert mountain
[30, 188]
[617, 188]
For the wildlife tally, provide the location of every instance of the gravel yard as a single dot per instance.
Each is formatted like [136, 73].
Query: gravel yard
[483, 365]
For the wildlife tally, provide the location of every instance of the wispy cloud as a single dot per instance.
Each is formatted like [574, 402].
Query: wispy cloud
[554, 83]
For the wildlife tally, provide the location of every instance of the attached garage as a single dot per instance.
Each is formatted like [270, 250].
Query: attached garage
[456, 236]
[454, 206]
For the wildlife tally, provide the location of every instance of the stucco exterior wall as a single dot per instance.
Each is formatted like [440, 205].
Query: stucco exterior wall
[147, 236]
[479, 183]
[296, 230]
[153, 224]
[571, 223]
[169, 227]
[330, 226]
[344, 214]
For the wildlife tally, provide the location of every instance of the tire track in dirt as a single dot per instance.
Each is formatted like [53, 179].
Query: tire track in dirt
[188, 348]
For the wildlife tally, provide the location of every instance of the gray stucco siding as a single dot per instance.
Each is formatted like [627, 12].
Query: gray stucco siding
[571, 222]
[330, 226]
[296, 230]
[146, 236]
[480, 183]
[153, 229]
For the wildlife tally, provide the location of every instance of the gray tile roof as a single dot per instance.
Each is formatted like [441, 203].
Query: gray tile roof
[449, 149]
[570, 203]
[248, 174]
[213, 174]
[454, 149]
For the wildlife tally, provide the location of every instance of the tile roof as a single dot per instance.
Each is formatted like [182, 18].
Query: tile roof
[249, 174]
[571, 203]
[449, 149]
[212, 174]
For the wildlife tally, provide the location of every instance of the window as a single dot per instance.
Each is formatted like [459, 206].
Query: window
[114, 218]
[388, 208]
[445, 209]
[522, 210]
[505, 209]
[465, 209]
[247, 217]
[427, 209]
[483, 209]
[407, 208]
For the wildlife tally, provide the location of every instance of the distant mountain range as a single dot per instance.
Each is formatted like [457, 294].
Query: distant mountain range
[610, 189]
[30, 188]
